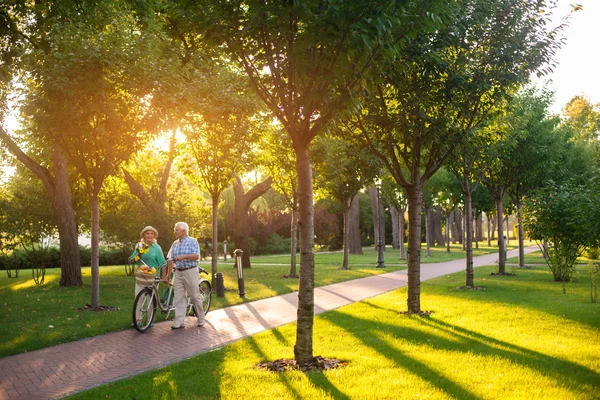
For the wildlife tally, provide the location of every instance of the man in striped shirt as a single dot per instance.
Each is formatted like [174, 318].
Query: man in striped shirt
[184, 255]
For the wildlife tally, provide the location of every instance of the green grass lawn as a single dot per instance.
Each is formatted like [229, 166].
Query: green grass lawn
[519, 337]
[35, 317]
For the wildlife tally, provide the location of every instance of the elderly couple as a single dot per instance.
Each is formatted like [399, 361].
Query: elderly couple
[183, 256]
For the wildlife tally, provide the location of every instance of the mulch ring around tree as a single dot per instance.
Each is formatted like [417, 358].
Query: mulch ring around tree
[317, 364]
[88, 307]
[503, 274]
[420, 313]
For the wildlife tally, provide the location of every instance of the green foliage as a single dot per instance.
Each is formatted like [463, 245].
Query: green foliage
[37, 257]
[275, 245]
[26, 215]
[562, 218]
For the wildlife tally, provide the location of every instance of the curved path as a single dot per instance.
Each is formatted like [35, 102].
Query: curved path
[68, 368]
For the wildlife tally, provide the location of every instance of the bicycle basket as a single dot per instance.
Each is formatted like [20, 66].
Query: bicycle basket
[143, 279]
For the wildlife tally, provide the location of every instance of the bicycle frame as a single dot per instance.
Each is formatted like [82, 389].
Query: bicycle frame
[149, 297]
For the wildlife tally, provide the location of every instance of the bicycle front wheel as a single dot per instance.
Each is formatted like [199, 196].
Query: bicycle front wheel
[144, 310]
[205, 291]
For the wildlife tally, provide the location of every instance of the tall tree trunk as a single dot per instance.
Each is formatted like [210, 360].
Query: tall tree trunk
[401, 230]
[395, 231]
[70, 262]
[242, 203]
[439, 235]
[448, 232]
[215, 240]
[95, 261]
[346, 207]
[489, 230]
[415, 201]
[428, 231]
[354, 242]
[501, 245]
[294, 241]
[469, 235]
[59, 192]
[479, 225]
[451, 227]
[303, 349]
[378, 217]
[474, 227]
[521, 235]
[464, 238]
[458, 225]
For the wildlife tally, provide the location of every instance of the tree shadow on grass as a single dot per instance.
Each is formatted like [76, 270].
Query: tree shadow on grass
[369, 338]
[565, 373]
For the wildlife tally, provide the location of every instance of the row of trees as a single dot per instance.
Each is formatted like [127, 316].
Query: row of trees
[249, 83]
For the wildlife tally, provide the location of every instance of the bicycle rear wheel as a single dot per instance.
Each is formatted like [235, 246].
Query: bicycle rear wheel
[206, 292]
[144, 310]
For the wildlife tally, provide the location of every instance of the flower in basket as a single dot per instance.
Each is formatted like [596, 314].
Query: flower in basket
[142, 248]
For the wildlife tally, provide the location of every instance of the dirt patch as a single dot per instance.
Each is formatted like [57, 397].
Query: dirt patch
[317, 364]
[503, 274]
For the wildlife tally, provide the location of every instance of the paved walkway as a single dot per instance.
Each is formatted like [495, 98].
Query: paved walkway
[68, 368]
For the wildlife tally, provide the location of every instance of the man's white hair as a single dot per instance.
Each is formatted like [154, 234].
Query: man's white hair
[183, 226]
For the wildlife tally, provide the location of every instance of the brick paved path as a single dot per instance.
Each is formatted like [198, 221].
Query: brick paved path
[68, 368]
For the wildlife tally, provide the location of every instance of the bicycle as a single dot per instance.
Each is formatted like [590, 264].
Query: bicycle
[144, 305]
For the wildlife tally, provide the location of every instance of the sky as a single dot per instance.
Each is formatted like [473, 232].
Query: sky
[578, 60]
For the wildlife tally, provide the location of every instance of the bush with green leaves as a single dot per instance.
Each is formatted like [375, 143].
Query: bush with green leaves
[561, 218]
[50, 258]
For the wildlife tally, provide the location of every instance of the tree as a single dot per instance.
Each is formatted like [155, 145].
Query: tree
[26, 219]
[536, 149]
[94, 92]
[563, 220]
[154, 198]
[243, 201]
[56, 182]
[220, 137]
[25, 31]
[395, 196]
[341, 170]
[278, 159]
[584, 118]
[424, 101]
[304, 60]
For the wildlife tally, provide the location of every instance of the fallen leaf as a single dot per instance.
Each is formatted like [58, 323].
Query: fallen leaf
[51, 326]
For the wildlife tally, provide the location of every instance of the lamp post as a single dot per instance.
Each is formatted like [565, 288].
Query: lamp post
[224, 250]
[380, 262]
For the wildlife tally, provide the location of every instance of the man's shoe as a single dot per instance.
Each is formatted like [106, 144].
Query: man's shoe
[177, 326]
[201, 323]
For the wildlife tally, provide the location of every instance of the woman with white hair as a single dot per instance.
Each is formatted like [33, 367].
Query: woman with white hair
[148, 250]
[184, 255]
